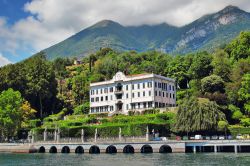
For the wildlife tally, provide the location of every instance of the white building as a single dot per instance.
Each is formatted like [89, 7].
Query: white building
[132, 92]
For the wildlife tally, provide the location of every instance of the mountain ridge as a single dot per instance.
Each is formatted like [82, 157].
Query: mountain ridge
[206, 33]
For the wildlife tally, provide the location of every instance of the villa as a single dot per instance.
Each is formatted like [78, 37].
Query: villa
[126, 93]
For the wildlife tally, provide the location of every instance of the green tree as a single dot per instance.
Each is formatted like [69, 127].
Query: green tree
[221, 65]
[240, 47]
[82, 109]
[244, 92]
[10, 112]
[212, 84]
[198, 114]
[41, 83]
[201, 65]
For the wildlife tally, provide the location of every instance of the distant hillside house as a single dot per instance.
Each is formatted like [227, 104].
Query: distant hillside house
[132, 93]
[77, 62]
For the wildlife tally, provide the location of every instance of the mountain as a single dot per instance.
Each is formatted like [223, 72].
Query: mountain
[207, 33]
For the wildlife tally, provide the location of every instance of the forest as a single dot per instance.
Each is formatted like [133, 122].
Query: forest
[213, 89]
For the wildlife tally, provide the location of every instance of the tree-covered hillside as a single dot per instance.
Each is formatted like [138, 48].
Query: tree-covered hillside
[213, 87]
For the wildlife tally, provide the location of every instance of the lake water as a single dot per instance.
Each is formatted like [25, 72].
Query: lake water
[157, 159]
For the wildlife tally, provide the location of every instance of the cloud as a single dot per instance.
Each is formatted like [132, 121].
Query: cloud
[50, 22]
[3, 61]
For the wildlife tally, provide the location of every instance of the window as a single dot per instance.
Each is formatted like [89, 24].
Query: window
[156, 104]
[139, 105]
[159, 85]
[166, 94]
[149, 93]
[111, 89]
[111, 108]
[97, 99]
[173, 88]
[138, 94]
[133, 105]
[166, 88]
[133, 95]
[138, 86]
[159, 93]
[149, 84]
[169, 87]
[127, 95]
[111, 97]
[101, 91]
[92, 99]
[101, 98]
[127, 106]
[155, 93]
[155, 84]
[170, 95]
[144, 94]
[97, 91]
[126, 87]
[173, 96]
[149, 104]
[97, 109]
[143, 85]
[106, 98]
[144, 105]
[133, 86]
[163, 94]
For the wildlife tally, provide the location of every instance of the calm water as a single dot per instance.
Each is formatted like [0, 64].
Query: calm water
[157, 159]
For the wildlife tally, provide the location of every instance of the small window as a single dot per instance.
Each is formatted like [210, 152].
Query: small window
[133, 95]
[133, 86]
[97, 91]
[144, 94]
[169, 87]
[173, 88]
[159, 93]
[163, 94]
[97, 99]
[138, 94]
[149, 93]
[138, 86]
[155, 93]
[111, 89]
[126, 87]
[159, 85]
[106, 98]
[101, 98]
[155, 84]
[170, 95]
[127, 95]
[127, 106]
[143, 85]
[101, 91]
[173, 96]
[139, 105]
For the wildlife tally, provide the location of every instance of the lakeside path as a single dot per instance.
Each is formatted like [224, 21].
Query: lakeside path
[133, 147]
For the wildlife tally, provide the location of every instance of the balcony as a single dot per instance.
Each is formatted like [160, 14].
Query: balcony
[118, 91]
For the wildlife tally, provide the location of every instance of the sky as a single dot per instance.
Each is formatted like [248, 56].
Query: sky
[29, 26]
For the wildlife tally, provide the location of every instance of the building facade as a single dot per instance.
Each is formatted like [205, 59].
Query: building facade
[132, 93]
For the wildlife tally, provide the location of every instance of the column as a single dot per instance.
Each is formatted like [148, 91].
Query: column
[55, 135]
[120, 134]
[32, 136]
[147, 134]
[82, 136]
[194, 149]
[215, 149]
[235, 149]
[58, 135]
[45, 134]
[95, 135]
